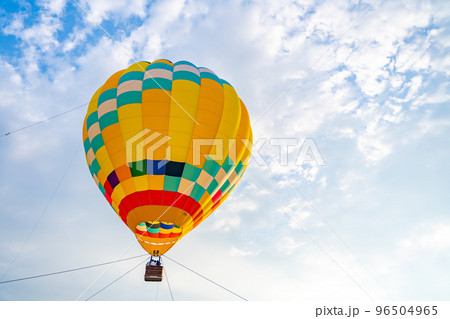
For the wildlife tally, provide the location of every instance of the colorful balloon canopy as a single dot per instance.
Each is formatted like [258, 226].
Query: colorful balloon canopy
[166, 143]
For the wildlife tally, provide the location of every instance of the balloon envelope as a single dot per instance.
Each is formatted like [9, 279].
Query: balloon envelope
[166, 143]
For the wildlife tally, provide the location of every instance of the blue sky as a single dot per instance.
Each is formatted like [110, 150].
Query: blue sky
[367, 82]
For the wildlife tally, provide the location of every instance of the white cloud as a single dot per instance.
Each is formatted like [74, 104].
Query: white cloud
[370, 55]
[373, 148]
[433, 237]
[288, 245]
[226, 223]
[241, 252]
[40, 35]
[76, 38]
[439, 95]
[11, 84]
[297, 210]
[413, 57]
[53, 6]
[97, 11]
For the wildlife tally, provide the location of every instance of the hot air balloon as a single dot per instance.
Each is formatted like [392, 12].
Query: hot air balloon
[166, 143]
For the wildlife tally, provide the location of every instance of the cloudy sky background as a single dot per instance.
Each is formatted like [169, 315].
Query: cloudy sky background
[367, 81]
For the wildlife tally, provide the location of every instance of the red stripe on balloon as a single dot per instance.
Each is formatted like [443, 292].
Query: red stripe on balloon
[157, 197]
[108, 198]
[217, 196]
[108, 188]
